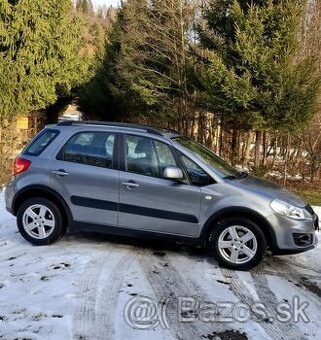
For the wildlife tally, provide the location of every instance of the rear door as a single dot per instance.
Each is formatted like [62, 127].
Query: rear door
[85, 174]
[147, 200]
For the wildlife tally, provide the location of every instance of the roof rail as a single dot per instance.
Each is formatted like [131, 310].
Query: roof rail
[115, 124]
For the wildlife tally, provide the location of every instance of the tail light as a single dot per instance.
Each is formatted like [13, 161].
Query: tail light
[20, 165]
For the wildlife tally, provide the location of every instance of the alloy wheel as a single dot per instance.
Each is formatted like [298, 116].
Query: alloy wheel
[237, 244]
[38, 221]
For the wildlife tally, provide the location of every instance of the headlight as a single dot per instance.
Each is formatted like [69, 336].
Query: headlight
[288, 210]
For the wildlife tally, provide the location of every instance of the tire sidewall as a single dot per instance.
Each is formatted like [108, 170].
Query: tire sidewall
[228, 222]
[58, 228]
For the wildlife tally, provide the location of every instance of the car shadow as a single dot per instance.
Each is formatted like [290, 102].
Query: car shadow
[154, 245]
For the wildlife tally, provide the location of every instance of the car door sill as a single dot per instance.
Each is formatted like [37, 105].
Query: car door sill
[77, 226]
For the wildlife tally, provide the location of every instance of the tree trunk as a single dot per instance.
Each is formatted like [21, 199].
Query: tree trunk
[287, 153]
[246, 147]
[221, 141]
[234, 147]
[264, 148]
[275, 147]
[258, 140]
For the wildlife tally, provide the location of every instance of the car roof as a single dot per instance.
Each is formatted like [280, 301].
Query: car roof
[123, 127]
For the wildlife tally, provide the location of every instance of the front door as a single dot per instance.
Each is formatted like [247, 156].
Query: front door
[84, 173]
[147, 200]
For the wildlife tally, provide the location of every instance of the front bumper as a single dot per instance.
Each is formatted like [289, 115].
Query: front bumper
[293, 236]
[278, 251]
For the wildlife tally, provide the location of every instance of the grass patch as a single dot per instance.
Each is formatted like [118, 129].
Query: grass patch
[310, 192]
[311, 196]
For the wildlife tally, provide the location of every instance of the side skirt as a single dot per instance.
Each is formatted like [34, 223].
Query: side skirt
[122, 231]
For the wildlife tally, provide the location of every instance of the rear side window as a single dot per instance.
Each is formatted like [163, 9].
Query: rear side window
[91, 148]
[40, 142]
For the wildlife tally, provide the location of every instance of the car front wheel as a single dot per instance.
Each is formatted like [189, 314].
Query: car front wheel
[237, 243]
[40, 221]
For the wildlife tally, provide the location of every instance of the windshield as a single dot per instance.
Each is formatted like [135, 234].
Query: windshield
[219, 165]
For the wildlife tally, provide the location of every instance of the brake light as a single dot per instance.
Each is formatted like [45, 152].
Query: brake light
[20, 165]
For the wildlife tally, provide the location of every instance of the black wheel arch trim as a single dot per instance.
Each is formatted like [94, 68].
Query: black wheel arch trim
[44, 189]
[244, 212]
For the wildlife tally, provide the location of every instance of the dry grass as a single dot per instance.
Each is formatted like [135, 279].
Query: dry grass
[313, 197]
[310, 192]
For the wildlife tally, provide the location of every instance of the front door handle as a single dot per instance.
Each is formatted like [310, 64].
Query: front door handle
[60, 172]
[130, 184]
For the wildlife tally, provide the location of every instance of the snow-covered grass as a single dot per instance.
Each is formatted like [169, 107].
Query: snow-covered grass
[317, 210]
[79, 287]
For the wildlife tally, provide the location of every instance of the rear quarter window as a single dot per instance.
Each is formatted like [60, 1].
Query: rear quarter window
[40, 142]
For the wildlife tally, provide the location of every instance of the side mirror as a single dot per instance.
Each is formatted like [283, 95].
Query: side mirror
[172, 172]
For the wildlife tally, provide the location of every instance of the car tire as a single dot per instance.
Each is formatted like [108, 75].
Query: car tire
[40, 221]
[237, 243]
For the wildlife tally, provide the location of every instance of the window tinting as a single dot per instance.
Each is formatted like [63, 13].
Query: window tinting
[146, 156]
[218, 164]
[40, 142]
[91, 148]
[196, 174]
[164, 155]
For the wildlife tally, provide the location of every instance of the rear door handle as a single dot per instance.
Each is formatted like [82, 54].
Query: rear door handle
[130, 184]
[60, 172]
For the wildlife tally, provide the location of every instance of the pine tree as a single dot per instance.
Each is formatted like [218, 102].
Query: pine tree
[107, 95]
[252, 74]
[85, 6]
[40, 45]
[155, 56]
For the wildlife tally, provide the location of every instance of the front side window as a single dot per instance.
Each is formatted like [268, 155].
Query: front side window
[91, 148]
[196, 174]
[40, 142]
[146, 156]
[217, 163]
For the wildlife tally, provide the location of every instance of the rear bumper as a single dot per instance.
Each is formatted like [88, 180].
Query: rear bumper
[8, 196]
[9, 210]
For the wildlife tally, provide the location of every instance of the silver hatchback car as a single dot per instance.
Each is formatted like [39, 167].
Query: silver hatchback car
[139, 180]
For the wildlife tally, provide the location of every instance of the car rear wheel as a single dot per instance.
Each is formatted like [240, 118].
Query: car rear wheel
[40, 221]
[237, 243]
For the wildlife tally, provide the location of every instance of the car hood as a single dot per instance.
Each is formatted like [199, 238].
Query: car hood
[267, 188]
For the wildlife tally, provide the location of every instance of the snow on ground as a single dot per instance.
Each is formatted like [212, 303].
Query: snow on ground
[317, 211]
[95, 287]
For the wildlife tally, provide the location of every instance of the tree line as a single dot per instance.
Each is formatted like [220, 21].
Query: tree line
[241, 76]
[227, 72]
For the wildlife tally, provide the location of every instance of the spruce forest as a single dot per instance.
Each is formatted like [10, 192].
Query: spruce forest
[243, 77]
